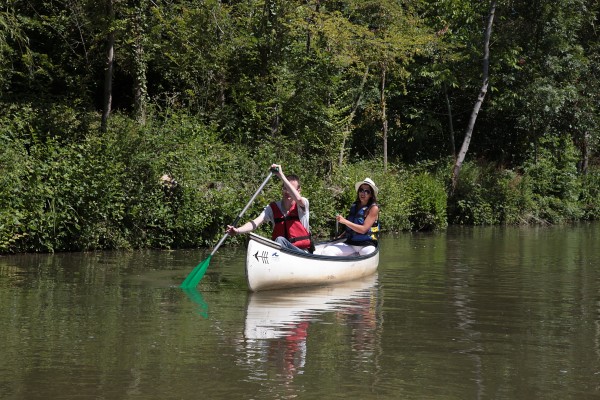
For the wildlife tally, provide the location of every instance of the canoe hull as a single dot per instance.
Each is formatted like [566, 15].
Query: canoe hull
[268, 266]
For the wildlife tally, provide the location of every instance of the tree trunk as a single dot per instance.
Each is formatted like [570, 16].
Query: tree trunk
[275, 121]
[348, 123]
[311, 22]
[585, 153]
[384, 120]
[140, 81]
[485, 81]
[108, 72]
[450, 123]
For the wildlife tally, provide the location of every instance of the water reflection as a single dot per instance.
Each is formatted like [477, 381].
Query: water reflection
[505, 313]
[278, 325]
[195, 296]
[462, 301]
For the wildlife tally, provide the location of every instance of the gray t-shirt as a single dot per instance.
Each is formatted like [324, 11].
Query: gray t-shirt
[303, 214]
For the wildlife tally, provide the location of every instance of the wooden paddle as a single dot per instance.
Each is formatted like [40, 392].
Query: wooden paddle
[194, 277]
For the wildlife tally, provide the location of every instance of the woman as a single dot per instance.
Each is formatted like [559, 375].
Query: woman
[362, 224]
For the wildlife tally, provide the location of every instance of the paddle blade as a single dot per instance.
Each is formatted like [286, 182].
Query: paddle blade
[191, 281]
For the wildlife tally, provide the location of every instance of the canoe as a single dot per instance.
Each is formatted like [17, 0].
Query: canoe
[269, 266]
[273, 313]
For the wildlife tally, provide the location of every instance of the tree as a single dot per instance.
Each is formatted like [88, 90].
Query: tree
[140, 67]
[482, 92]
[14, 42]
[382, 38]
[560, 82]
[110, 59]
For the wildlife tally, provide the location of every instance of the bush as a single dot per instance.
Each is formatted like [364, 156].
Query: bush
[14, 164]
[487, 195]
[78, 189]
[340, 193]
[472, 200]
[427, 202]
[514, 200]
[590, 195]
[551, 174]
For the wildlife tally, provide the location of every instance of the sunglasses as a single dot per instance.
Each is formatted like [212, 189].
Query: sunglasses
[366, 191]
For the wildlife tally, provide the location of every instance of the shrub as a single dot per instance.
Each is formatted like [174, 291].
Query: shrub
[514, 200]
[427, 202]
[471, 202]
[393, 203]
[590, 195]
[14, 164]
[551, 174]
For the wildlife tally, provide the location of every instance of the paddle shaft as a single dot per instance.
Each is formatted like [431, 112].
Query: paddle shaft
[198, 272]
[237, 219]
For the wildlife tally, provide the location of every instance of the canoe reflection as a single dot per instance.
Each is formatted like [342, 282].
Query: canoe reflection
[270, 314]
[277, 322]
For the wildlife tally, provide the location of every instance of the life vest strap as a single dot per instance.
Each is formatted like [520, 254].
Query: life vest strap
[293, 240]
[287, 218]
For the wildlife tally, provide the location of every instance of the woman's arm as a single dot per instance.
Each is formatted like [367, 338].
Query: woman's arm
[372, 215]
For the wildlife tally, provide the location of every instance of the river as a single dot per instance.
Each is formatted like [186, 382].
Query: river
[468, 313]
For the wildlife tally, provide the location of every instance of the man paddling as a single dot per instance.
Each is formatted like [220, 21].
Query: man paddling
[289, 216]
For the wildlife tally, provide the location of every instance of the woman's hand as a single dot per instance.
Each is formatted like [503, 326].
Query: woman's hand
[370, 219]
[341, 219]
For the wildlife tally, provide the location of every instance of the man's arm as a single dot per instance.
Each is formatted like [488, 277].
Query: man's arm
[291, 189]
[248, 226]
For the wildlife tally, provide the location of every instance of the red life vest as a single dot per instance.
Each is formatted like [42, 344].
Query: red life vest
[290, 227]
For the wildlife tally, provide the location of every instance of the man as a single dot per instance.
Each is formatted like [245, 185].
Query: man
[289, 216]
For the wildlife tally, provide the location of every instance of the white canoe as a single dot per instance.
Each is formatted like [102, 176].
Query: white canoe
[269, 266]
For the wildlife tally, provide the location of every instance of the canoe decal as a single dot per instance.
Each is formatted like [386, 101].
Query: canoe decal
[263, 256]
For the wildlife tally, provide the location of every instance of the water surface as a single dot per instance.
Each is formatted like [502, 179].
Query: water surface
[470, 313]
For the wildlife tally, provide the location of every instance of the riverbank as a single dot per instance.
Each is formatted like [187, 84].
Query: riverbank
[146, 187]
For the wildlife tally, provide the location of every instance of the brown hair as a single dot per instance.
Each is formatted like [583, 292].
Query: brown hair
[293, 177]
[373, 198]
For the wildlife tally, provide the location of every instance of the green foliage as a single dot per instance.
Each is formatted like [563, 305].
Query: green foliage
[340, 193]
[394, 200]
[192, 211]
[487, 195]
[590, 195]
[14, 44]
[548, 190]
[513, 198]
[14, 164]
[471, 203]
[428, 202]
[407, 200]
[104, 192]
[70, 199]
[551, 172]
[235, 86]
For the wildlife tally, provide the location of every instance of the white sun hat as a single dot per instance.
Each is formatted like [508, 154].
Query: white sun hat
[367, 181]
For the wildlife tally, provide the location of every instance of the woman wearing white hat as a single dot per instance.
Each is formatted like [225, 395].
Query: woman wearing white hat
[362, 223]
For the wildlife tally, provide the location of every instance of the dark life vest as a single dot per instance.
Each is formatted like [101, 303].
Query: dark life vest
[357, 215]
[290, 227]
